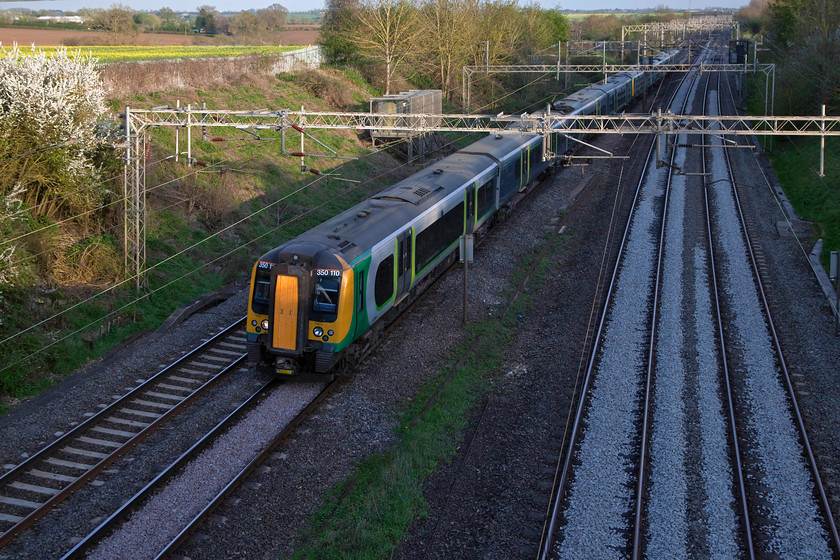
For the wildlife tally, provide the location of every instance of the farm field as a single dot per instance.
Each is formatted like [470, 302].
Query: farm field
[136, 53]
[300, 35]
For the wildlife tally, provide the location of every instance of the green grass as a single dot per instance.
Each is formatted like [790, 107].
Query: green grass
[796, 163]
[368, 514]
[815, 199]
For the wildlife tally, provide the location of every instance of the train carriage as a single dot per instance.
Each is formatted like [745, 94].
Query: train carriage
[314, 296]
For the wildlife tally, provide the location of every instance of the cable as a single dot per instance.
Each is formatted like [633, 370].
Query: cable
[492, 103]
[208, 238]
[62, 197]
[65, 143]
[92, 210]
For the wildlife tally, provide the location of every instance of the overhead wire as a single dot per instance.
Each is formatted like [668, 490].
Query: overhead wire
[171, 257]
[91, 211]
[193, 246]
[81, 189]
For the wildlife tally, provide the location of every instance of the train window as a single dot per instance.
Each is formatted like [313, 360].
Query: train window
[433, 240]
[383, 288]
[262, 291]
[486, 198]
[325, 302]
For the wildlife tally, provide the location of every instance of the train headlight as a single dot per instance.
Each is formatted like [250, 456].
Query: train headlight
[264, 324]
[318, 331]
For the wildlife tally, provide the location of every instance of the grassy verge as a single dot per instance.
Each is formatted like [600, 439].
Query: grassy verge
[815, 199]
[796, 163]
[368, 515]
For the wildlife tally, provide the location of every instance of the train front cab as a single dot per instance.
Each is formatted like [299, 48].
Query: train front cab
[301, 315]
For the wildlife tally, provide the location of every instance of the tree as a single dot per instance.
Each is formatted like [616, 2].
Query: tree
[245, 24]
[337, 25]
[558, 25]
[385, 31]
[118, 20]
[444, 24]
[50, 109]
[205, 22]
[145, 21]
[273, 18]
[810, 33]
[754, 16]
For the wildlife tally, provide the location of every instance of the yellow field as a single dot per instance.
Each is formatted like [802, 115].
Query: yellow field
[107, 54]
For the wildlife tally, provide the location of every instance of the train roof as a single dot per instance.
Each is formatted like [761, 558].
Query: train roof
[576, 101]
[355, 231]
[500, 145]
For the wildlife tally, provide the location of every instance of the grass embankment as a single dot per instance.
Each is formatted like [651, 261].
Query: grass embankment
[796, 163]
[205, 226]
[368, 515]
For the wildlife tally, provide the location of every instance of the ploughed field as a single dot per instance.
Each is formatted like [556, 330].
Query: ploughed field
[304, 35]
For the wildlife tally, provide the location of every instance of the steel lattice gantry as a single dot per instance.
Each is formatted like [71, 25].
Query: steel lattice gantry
[605, 69]
[138, 121]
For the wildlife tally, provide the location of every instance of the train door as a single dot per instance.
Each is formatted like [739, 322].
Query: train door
[290, 288]
[405, 258]
[470, 222]
[524, 167]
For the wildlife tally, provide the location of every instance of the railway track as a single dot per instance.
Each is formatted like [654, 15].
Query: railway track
[132, 504]
[32, 488]
[552, 526]
[789, 404]
[694, 495]
[718, 311]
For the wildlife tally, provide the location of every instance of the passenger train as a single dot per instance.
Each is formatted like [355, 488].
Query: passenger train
[317, 299]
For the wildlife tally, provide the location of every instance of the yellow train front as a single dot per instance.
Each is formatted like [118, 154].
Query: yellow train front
[300, 314]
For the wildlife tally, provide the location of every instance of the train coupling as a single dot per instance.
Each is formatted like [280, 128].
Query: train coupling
[284, 367]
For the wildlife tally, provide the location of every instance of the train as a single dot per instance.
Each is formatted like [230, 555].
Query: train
[318, 300]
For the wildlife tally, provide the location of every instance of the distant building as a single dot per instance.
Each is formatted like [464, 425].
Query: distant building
[62, 19]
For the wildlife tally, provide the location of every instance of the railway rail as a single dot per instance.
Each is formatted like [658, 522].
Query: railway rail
[672, 514]
[725, 373]
[649, 373]
[109, 524]
[819, 488]
[562, 481]
[32, 488]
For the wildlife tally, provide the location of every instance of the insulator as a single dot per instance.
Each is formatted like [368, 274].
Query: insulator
[314, 171]
[218, 139]
[296, 127]
[297, 154]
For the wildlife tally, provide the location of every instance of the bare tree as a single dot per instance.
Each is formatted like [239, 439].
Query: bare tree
[273, 17]
[118, 20]
[444, 24]
[385, 31]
